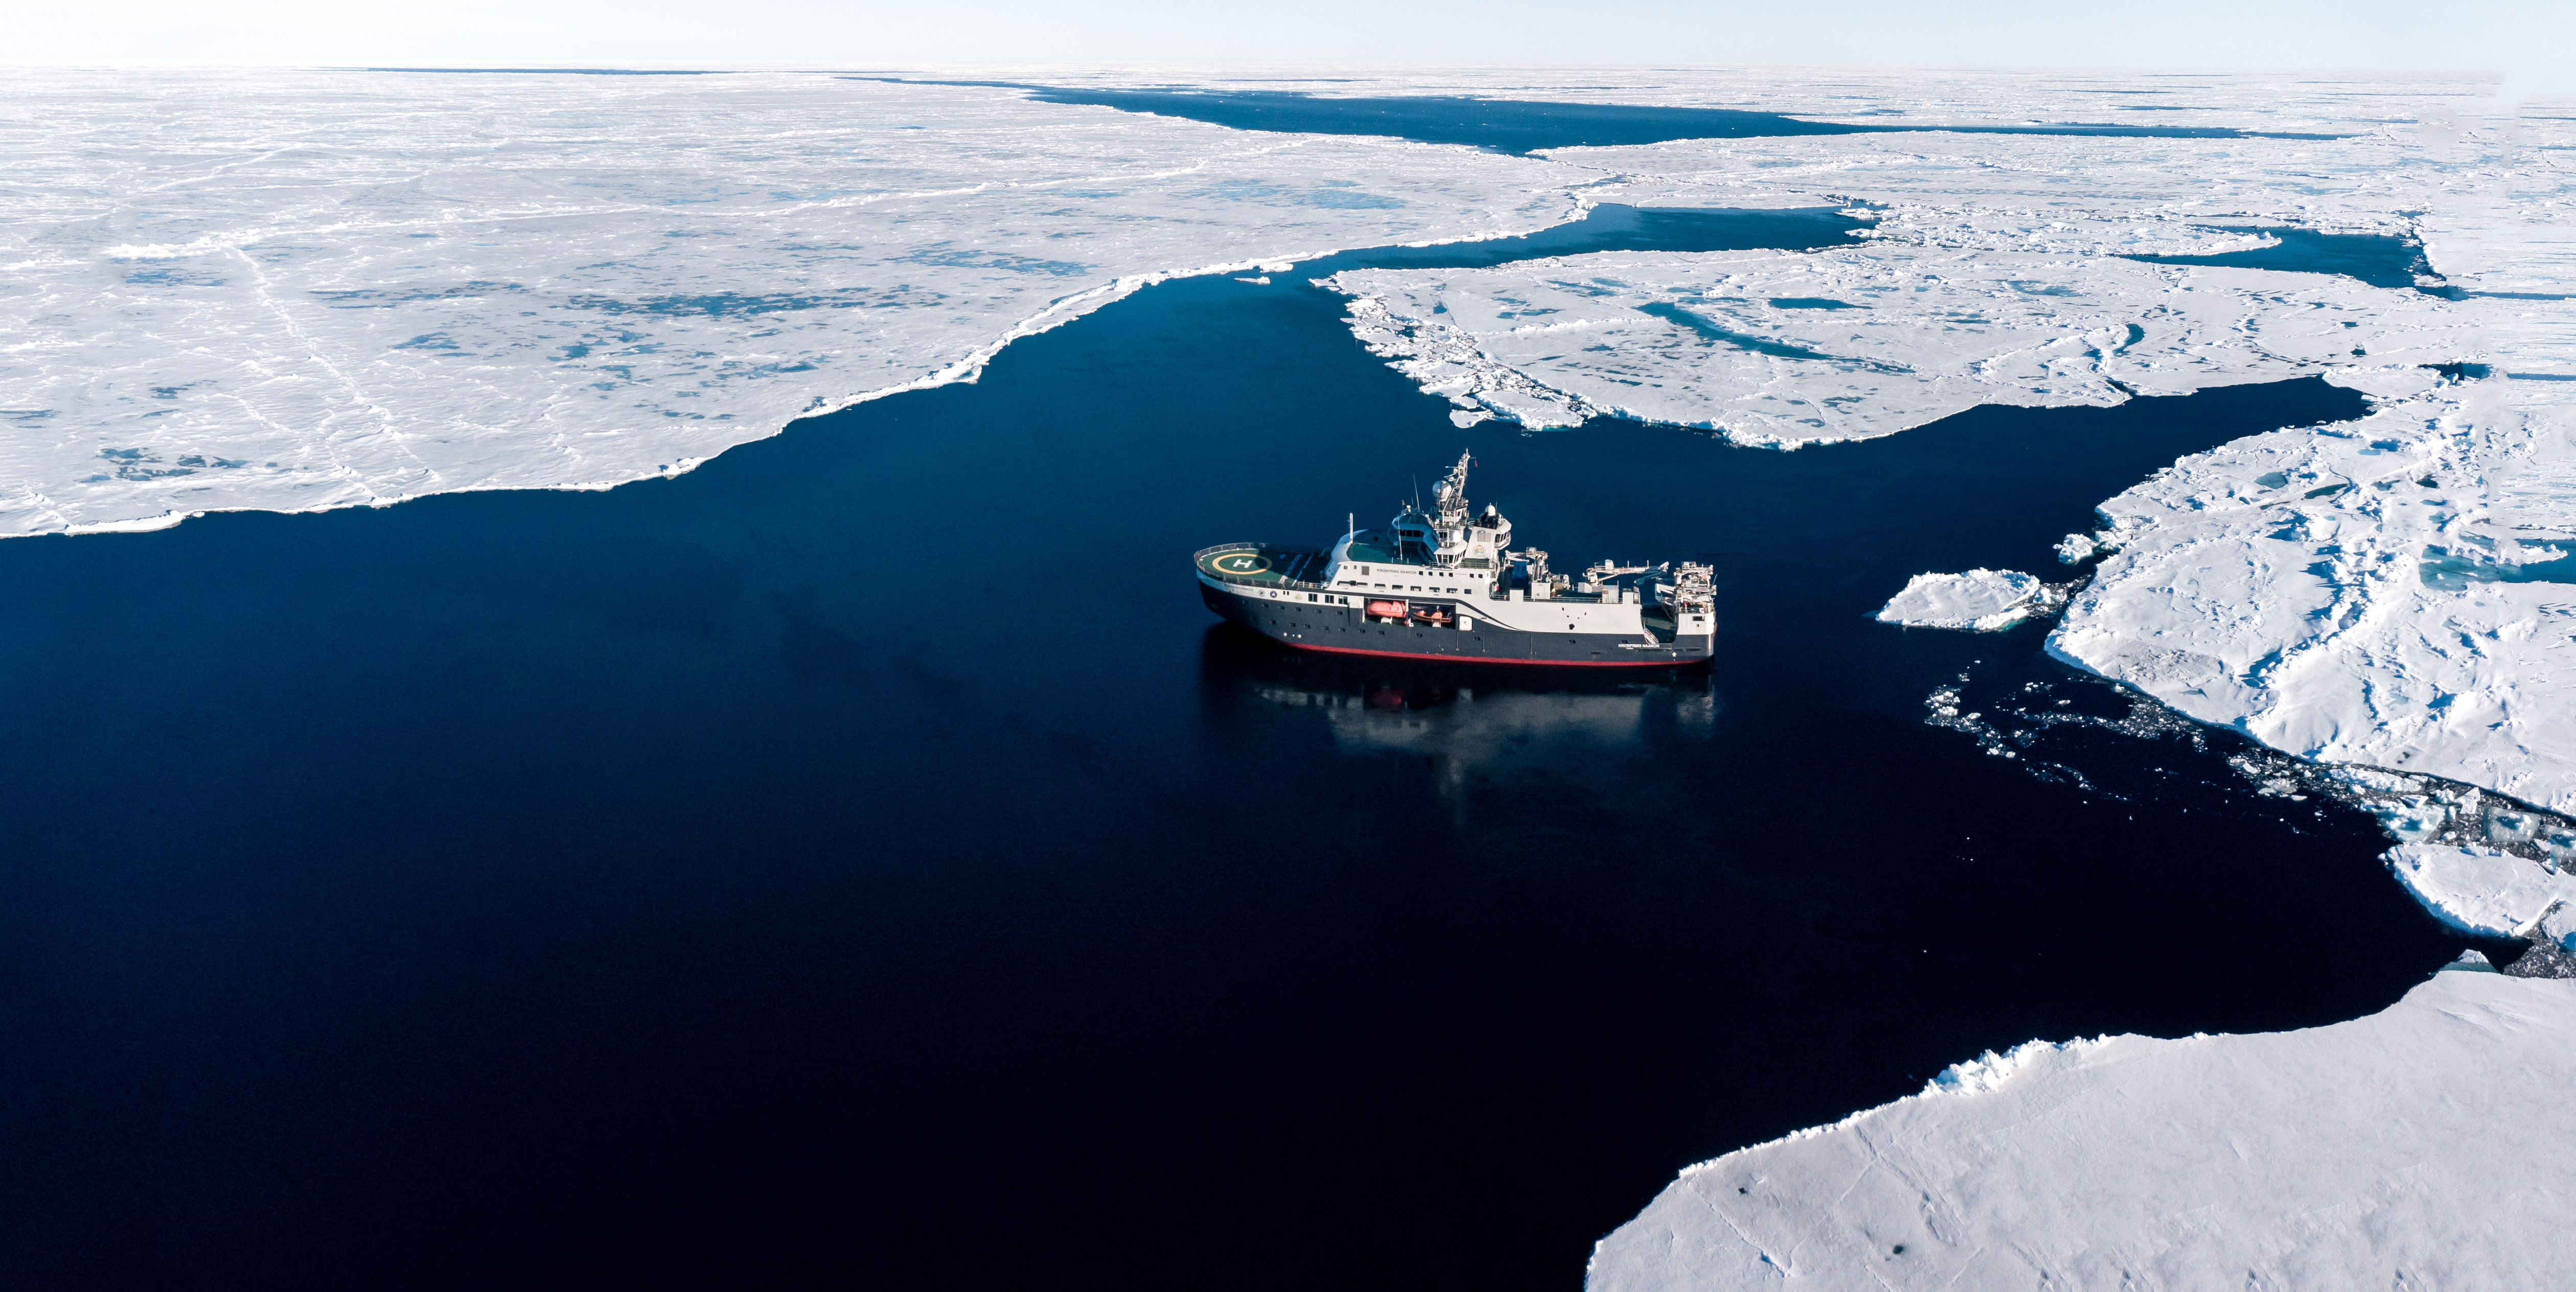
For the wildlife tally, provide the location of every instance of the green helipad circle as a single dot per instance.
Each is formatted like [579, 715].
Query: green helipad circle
[1243, 563]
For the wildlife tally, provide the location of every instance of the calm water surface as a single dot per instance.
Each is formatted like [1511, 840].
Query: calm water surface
[864, 855]
[1522, 125]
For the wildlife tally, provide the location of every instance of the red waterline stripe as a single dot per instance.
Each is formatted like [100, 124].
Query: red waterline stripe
[1488, 659]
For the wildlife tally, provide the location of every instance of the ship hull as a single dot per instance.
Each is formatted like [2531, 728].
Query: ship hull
[1288, 618]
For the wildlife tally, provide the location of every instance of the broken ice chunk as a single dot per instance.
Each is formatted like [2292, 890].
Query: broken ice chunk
[1977, 601]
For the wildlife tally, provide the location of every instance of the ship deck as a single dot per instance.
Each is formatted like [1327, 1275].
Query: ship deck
[1262, 564]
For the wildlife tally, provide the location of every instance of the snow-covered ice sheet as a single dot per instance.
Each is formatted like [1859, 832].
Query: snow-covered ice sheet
[292, 290]
[2423, 1146]
[1995, 273]
[2394, 592]
[1784, 348]
[1976, 601]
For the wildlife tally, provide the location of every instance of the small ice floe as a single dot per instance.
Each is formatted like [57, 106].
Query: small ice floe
[1262, 281]
[2076, 549]
[2486, 891]
[1978, 601]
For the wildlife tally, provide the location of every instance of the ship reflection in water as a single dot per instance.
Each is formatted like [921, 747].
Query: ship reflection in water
[1471, 726]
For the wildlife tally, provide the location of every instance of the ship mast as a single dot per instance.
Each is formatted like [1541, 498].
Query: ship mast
[1451, 495]
[1449, 514]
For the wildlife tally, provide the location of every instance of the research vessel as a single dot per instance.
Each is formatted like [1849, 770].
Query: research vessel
[1445, 583]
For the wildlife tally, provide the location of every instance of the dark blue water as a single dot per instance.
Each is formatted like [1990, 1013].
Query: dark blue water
[2381, 260]
[864, 860]
[1515, 126]
[1612, 227]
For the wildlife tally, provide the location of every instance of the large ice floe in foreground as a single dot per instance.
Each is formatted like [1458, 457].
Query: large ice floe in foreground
[2423, 1146]
[294, 290]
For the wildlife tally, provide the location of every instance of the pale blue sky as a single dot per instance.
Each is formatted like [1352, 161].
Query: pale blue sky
[2498, 34]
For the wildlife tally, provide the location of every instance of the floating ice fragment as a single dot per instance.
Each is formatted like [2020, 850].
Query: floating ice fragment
[1977, 601]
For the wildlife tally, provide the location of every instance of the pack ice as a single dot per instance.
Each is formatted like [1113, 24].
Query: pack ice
[2391, 592]
[294, 290]
[2423, 1146]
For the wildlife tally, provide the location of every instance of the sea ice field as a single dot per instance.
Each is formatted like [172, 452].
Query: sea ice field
[598, 664]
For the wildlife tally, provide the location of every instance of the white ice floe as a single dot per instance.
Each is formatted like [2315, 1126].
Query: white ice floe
[1977, 601]
[293, 290]
[1784, 348]
[2393, 592]
[2422, 1146]
[2486, 891]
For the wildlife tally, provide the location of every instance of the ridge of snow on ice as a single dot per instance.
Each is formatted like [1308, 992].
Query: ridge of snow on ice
[296, 290]
[2275, 1159]
[1977, 601]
